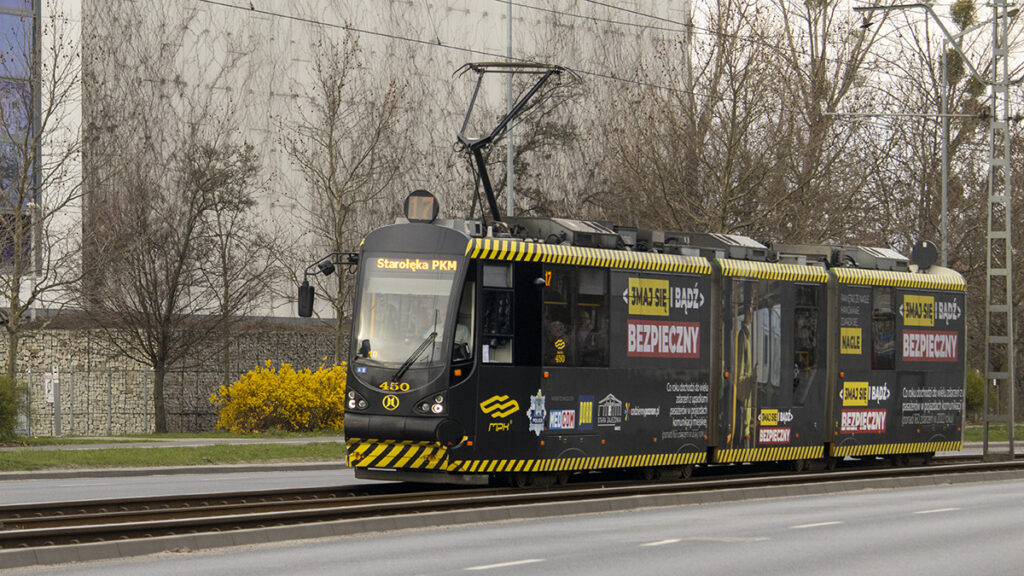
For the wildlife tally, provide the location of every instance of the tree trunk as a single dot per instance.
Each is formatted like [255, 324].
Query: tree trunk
[13, 341]
[159, 409]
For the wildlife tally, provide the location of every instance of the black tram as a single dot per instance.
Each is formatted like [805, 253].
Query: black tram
[534, 348]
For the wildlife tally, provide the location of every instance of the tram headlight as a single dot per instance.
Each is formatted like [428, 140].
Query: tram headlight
[356, 401]
[431, 404]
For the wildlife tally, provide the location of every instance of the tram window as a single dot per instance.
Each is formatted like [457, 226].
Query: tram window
[497, 276]
[462, 347]
[575, 317]
[883, 329]
[591, 325]
[497, 314]
[805, 341]
[557, 313]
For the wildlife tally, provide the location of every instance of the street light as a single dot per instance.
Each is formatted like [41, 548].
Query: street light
[955, 40]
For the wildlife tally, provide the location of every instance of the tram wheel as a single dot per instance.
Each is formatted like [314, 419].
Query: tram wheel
[799, 465]
[900, 459]
[831, 463]
[562, 478]
[922, 459]
[686, 471]
[520, 480]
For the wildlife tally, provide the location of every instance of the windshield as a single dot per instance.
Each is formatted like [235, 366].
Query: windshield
[403, 301]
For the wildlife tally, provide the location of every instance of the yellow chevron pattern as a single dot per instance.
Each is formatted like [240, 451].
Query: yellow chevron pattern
[570, 464]
[769, 454]
[513, 250]
[773, 271]
[905, 448]
[396, 454]
[410, 455]
[944, 281]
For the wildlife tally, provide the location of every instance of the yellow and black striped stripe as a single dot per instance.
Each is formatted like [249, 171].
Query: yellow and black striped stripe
[948, 280]
[904, 448]
[520, 251]
[769, 454]
[774, 271]
[408, 455]
[571, 464]
[396, 454]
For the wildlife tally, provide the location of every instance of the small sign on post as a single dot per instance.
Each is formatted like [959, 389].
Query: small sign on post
[48, 387]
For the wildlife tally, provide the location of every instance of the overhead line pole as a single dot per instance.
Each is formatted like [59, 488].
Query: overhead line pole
[510, 207]
[999, 331]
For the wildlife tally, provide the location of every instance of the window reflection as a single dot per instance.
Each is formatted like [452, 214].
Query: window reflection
[15, 45]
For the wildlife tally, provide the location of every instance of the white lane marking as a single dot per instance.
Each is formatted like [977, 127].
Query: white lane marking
[505, 564]
[936, 510]
[815, 525]
[661, 542]
[727, 539]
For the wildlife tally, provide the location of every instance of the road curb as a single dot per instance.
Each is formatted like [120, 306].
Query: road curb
[189, 542]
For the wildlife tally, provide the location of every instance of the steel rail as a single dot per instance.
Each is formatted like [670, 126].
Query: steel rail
[85, 528]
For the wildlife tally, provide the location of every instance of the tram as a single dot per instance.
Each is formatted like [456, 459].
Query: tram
[532, 348]
[528, 349]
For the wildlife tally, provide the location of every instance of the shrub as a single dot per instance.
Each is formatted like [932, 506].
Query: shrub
[267, 398]
[12, 400]
[975, 398]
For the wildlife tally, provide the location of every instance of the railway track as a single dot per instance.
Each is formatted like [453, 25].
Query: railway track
[113, 520]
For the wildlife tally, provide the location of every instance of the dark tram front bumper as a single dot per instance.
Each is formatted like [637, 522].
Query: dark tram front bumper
[446, 431]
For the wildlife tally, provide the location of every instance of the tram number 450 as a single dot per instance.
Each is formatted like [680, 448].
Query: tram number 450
[394, 386]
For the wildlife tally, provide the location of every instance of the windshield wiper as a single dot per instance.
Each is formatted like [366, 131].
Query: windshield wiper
[412, 357]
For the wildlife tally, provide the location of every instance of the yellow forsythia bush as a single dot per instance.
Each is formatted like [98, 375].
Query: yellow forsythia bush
[267, 398]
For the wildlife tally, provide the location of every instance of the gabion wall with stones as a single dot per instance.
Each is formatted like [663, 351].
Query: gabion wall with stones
[79, 384]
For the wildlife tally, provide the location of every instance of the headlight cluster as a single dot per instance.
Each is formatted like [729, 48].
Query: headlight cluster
[355, 401]
[431, 405]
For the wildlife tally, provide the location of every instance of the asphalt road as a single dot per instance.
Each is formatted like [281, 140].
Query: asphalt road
[40, 490]
[953, 529]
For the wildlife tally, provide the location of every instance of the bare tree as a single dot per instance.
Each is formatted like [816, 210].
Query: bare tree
[699, 159]
[348, 144]
[39, 159]
[170, 290]
[172, 270]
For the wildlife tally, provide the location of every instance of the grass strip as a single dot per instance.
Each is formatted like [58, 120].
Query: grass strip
[28, 459]
[65, 441]
[996, 433]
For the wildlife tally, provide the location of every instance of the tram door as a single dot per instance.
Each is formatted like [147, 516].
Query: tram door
[773, 353]
[574, 349]
[507, 357]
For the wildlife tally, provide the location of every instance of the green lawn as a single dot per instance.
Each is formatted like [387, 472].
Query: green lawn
[134, 457]
[997, 433]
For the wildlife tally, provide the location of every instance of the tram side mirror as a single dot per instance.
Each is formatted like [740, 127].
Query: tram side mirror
[305, 299]
[364, 349]
[326, 266]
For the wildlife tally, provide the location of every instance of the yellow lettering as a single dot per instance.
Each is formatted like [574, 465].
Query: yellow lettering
[918, 310]
[855, 394]
[849, 340]
[648, 297]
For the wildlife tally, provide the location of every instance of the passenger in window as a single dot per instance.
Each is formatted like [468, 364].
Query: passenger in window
[463, 337]
[584, 337]
[591, 342]
[556, 343]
